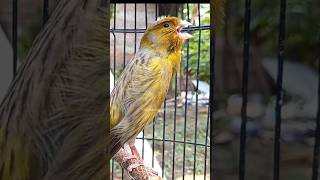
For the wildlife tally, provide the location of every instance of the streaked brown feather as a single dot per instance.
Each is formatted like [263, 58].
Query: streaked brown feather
[139, 94]
[52, 122]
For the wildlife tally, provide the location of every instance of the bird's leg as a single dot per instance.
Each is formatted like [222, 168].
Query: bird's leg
[129, 159]
[135, 152]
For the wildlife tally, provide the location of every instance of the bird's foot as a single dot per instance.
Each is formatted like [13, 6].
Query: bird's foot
[134, 165]
[151, 171]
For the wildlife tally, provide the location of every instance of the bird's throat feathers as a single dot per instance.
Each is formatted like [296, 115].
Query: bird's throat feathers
[168, 50]
[171, 59]
[164, 45]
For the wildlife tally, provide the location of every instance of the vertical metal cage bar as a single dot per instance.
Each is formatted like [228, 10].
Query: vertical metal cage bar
[112, 172]
[163, 135]
[153, 122]
[15, 35]
[135, 28]
[176, 10]
[114, 64]
[124, 55]
[146, 24]
[174, 124]
[316, 152]
[114, 43]
[185, 106]
[45, 11]
[279, 99]
[174, 116]
[114, 84]
[211, 97]
[206, 146]
[124, 49]
[124, 34]
[197, 98]
[245, 75]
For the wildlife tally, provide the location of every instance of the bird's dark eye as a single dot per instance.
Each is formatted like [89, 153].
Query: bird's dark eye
[166, 25]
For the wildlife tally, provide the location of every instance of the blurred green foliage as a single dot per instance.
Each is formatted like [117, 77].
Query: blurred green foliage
[302, 27]
[199, 44]
[302, 31]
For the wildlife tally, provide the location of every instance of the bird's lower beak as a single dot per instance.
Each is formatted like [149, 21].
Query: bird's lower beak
[184, 24]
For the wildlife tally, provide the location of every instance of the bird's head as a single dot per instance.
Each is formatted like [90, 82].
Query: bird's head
[165, 35]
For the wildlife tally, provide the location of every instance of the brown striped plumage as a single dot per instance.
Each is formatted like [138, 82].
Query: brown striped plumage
[52, 120]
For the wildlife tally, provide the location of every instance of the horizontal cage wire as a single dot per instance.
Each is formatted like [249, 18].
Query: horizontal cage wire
[176, 143]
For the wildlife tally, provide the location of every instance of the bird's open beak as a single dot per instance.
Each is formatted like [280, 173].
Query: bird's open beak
[184, 24]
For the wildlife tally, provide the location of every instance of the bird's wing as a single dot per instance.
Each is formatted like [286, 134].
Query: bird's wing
[138, 95]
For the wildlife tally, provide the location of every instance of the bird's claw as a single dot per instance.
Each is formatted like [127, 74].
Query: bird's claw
[135, 166]
[151, 171]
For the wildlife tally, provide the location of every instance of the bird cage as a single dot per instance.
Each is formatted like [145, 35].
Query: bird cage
[176, 143]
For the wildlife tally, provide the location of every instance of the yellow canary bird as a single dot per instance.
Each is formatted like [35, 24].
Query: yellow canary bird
[144, 83]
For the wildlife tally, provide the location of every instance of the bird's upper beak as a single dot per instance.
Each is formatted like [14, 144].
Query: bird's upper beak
[184, 24]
